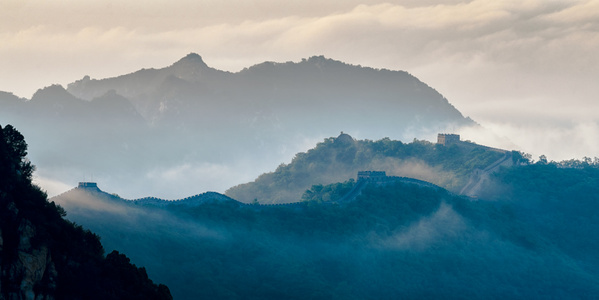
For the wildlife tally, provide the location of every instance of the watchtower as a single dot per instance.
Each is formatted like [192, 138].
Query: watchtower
[88, 185]
[368, 175]
[447, 139]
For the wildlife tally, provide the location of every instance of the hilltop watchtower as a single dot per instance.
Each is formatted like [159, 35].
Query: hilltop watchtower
[88, 185]
[369, 175]
[447, 139]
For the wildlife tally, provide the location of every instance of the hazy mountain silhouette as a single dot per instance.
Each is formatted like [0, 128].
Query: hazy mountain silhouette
[315, 93]
[178, 126]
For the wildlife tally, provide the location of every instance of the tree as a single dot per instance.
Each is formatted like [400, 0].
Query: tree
[13, 152]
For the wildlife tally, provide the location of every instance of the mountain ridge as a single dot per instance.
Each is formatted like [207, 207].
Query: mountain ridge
[188, 68]
[193, 200]
[500, 246]
[138, 86]
[189, 119]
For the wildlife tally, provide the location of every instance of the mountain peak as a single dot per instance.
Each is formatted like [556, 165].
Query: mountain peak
[53, 92]
[193, 59]
[191, 68]
[344, 139]
[321, 60]
[193, 55]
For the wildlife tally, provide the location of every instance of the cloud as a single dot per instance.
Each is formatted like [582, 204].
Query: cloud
[561, 141]
[94, 209]
[392, 25]
[89, 205]
[416, 169]
[52, 187]
[583, 12]
[425, 33]
[444, 224]
[196, 177]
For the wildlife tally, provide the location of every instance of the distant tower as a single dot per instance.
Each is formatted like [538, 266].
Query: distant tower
[447, 139]
[344, 138]
[88, 184]
[368, 175]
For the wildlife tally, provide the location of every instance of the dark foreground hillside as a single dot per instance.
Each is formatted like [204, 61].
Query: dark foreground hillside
[398, 239]
[43, 256]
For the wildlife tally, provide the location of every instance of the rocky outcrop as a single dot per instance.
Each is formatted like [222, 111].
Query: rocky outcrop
[27, 273]
[33, 265]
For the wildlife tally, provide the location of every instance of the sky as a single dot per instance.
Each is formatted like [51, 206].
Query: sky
[526, 70]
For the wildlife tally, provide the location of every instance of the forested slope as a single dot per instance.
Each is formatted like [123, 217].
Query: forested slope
[43, 256]
[394, 240]
[339, 159]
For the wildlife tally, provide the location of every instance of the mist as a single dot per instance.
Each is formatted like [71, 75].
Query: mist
[443, 225]
[564, 140]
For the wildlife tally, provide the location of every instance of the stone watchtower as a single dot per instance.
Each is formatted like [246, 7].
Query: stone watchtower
[447, 139]
[88, 185]
[371, 175]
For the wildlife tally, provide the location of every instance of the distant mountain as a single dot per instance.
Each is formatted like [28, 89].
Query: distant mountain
[190, 121]
[72, 136]
[314, 93]
[396, 238]
[9, 100]
[43, 256]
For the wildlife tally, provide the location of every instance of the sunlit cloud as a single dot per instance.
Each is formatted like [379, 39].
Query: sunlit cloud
[50, 186]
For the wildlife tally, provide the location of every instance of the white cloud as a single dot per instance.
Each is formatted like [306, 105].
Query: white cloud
[444, 224]
[194, 178]
[562, 141]
[51, 186]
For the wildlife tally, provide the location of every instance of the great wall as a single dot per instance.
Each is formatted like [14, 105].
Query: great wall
[477, 179]
[364, 178]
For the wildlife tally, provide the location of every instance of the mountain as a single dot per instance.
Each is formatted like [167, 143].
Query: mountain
[43, 256]
[336, 159]
[9, 101]
[169, 246]
[377, 237]
[557, 199]
[191, 121]
[286, 94]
